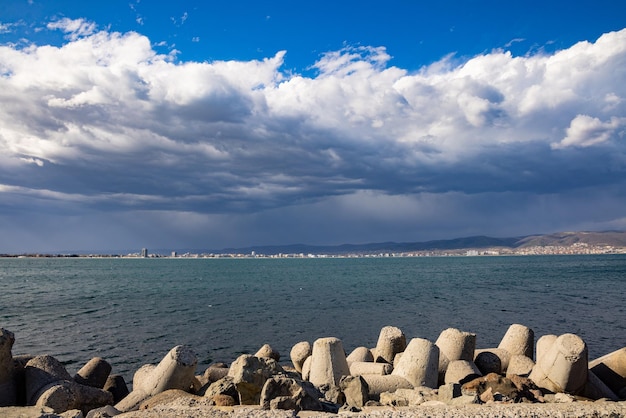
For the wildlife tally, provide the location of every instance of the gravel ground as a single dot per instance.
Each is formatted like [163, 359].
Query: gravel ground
[563, 410]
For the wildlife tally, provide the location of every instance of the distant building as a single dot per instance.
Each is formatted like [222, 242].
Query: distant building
[144, 252]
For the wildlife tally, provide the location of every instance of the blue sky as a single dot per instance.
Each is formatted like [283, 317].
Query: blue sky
[203, 125]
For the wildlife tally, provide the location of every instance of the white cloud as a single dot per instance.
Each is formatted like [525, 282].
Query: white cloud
[75, 28]
[585, 131]
[106, 118]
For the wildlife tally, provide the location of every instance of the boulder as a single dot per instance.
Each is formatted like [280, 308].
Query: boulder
[267, 351]
[289, 393]
[249, 374]
[356, 390]
[223, 387]
[8, 390]
[175, 371]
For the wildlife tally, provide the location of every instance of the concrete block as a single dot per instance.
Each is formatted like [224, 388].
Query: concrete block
[419, 363]
[328, 362]
[299, 353]
[361, 354]
[563, 367]
[611, 369]
[94, 373]
[519, 340]
[461, 371]
[361, 367]
[8, 390]
[391, 341]
[454, 345]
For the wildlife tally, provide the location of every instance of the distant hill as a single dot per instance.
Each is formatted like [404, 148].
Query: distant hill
[612, 238]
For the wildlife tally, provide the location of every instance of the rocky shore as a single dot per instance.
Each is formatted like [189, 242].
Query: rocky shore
[521, 377]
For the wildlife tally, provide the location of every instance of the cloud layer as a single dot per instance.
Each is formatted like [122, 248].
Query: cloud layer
[103, 127]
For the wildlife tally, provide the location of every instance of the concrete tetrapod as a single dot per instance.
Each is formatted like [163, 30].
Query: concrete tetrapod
[563, 367]
[8, 393]
[328, 362]
[175, 371]
[419, 363]
[454, 345]
[519, 340]
[299, 353]
[611, 369]
[391, 341]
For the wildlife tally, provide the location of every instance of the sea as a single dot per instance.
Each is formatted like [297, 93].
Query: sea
[133, 311]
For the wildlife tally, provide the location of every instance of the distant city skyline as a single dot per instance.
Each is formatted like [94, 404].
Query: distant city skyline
[200, 125]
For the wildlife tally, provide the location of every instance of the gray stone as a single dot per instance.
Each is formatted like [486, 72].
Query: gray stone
[94, 373]
[117, 386]
[8, 390]
[65, 395]
[249, 374]
[107, 411]
[391, 341]
[175, 371]
[267, 351]
[215, 373]
[355, 389]
[224, 386]
[288, 393]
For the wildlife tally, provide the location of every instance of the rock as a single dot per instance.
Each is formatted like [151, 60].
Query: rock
[299, 353]
[328, 362]
[107, 411]
[495, 386]
[454, 345]
[461, 371]
[449, 391]
[356, 390]
[8, 390]
[488, 362]
[65, 395]
[419, 363]
[213, 373]
[360, 354]
[224, 386]
[166, 397]
[175, 371]
[563, 366]
[117, 386]
[391, 341]
[94, 373]
[224, 400]
[267, 351]
[402, 397]
[289, 393]
[519, 340]
[360, 367]
[249, 374]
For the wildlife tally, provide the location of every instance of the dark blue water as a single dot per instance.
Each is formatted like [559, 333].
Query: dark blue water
[132, 311]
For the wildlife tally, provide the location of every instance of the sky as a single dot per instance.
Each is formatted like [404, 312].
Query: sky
[193, 124]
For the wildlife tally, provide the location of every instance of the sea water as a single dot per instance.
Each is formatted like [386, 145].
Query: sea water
[133, 311]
